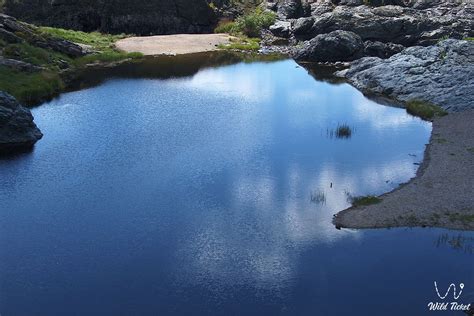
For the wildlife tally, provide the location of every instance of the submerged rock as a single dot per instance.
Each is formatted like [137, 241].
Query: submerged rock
[442, 74]
[17, 129]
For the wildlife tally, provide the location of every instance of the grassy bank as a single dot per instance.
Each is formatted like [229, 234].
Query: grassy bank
[46, 79]
[425, 110]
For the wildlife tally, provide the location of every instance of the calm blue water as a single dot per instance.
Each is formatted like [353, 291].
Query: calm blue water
[192, 196]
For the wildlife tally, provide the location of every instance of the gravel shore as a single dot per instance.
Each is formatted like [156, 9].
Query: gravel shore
[442, 193]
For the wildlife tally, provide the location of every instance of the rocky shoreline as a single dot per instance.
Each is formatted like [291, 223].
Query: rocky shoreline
[406, 51]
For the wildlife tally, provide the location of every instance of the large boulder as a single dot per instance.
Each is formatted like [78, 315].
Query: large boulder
[141, 17]
[441, 74]
[292, 9]
[17, 129]
[332, 47]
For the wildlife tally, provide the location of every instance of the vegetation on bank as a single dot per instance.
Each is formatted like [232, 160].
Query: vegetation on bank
[425, 110]
[247, 29]
[45, 81]
[30, 87]
[365, 200]
[242, 43]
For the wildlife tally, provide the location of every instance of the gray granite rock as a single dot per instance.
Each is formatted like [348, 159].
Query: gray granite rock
[331, 47]
[281, 28]
[442, 74]
[17, 128]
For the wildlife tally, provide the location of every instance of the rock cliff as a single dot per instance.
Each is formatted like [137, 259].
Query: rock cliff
[141, 17]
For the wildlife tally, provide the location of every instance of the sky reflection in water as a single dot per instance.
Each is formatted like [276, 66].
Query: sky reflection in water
[193, 195]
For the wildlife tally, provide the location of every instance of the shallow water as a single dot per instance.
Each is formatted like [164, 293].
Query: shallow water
[213, 193]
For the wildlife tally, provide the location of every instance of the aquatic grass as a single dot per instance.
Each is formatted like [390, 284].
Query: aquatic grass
[365, 200]
[342, 131]
[425, 110]
[318, 197]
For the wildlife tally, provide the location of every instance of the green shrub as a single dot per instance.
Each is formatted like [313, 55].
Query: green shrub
[250, 24]
[227, 27]
[253, 23]
[425, 110]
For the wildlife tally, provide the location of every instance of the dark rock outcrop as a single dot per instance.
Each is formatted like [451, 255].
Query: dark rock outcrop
[19, 65]
[14, 31]
[141, 17]
[17, 129]
[332, 47]
[442, 74]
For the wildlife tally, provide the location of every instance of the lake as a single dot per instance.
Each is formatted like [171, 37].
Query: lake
[184, 187]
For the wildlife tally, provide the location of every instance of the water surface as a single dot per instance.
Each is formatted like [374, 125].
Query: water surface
[168, 192]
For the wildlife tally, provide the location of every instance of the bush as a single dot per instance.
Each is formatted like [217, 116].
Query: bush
[250, 24]
[227, 27]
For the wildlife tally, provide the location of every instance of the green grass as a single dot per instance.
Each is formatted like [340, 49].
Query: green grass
[463, 218]
[425, 110]
[98, 41]
[242, 43]
[35, 55]
[365, 200]
[105, 57]
[30, 87]
[37, 86]
[469, 38]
